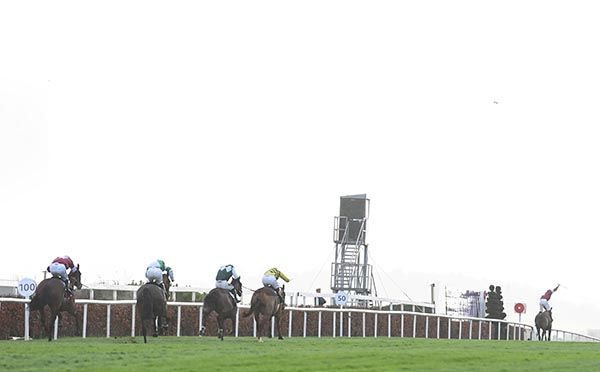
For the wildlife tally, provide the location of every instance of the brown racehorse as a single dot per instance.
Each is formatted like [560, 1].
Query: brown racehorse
[51, 292]
[265, 304]
[152, 306]
[221, 302]
[543, 321]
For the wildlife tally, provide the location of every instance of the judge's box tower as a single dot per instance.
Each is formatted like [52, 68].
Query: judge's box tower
[351, 272]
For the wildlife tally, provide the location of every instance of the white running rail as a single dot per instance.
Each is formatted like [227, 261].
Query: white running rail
[341, 325]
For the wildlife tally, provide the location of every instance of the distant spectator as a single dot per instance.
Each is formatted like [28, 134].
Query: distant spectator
[319, 301]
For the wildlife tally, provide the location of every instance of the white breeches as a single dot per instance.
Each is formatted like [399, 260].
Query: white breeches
[58, 269]
[270, 280]
[223, 284]
[154, 274]
[544, 305]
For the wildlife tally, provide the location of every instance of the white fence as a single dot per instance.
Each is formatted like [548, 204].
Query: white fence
[509, 330]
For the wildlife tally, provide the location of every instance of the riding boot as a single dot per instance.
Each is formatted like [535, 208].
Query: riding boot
[281, 299]
[68, 291]
[162, 285]
[234, 295]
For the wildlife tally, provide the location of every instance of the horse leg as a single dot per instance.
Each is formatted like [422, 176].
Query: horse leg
[278, 326]
[43, 326]
[259, 326]
[206, 310]
[72, 310]
[163, 319]
[78, 320]
[156, 324]
[164, 325]
[233, 323]
[51, 324]
[144, 330]
[220, 326]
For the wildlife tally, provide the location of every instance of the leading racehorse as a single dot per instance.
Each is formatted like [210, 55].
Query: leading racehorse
[543, 321]
[221, 301]
[151, 304]
[266, 304]
[51, 292]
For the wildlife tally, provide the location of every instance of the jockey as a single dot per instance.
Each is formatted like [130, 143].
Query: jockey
[544, 305]
[58, 269]
[270, 280]
[224, 275]
[154, 273]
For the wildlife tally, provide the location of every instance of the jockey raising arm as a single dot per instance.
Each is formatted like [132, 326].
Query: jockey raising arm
[544, 305]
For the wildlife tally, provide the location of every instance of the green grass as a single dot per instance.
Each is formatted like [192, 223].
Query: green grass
[296, 354]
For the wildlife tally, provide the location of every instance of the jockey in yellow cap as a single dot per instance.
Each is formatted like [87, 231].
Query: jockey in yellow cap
[270, 280]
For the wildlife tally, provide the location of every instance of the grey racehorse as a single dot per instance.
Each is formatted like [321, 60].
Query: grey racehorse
[543, 321]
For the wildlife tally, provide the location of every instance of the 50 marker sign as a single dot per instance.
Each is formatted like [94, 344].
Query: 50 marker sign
[341, 298]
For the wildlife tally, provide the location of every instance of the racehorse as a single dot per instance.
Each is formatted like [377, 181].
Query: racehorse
[221, 301]
[543, 321]
[51, 292]
[151, 304]
[265, 303]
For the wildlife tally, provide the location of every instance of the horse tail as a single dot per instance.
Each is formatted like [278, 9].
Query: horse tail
[249, 312]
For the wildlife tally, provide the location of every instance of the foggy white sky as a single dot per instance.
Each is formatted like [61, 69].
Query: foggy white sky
[225, 132]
